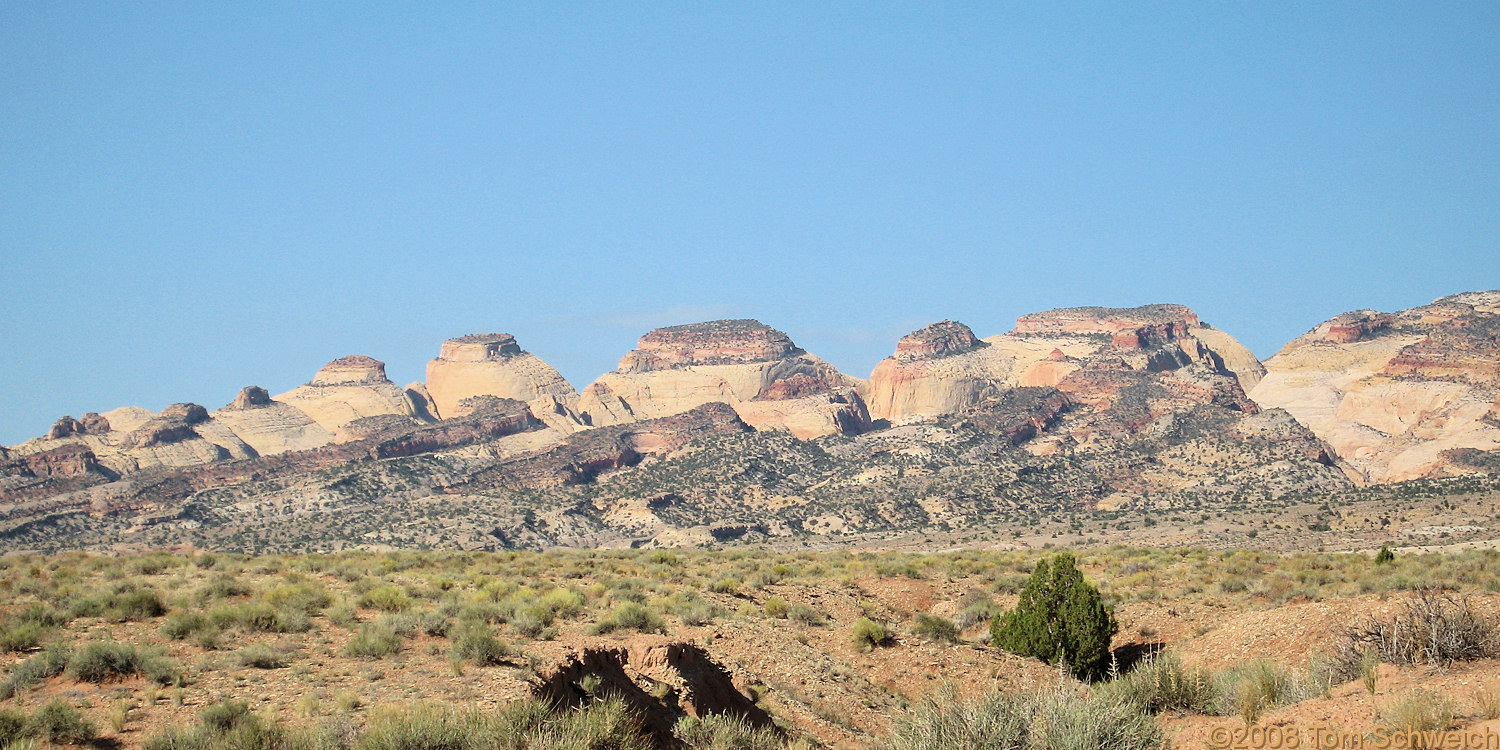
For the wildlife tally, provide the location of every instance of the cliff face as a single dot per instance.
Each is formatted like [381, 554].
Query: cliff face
[1394, 393]
[347, 389]
[752, 367]
[490, 365]
[943, 369]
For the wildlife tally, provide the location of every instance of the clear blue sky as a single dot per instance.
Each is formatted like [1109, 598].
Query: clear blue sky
[198, 197]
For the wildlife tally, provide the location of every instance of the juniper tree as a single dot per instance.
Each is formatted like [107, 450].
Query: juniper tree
[1059, 618]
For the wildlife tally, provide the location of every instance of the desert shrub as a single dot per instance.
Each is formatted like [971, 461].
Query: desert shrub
[20, 636]
[60, 723]
[344, 614]
[224, 715]
[386, 599]
[532, 620]
[525, 725]
[1161, 683]
[775, 607]
[373, 641]
[182, 625]
[259, 617]
[476, 642]
[1385, 555]
[51, 661]
[868, 634]
[805, 614]
[726, 732]
[263, 656]
[725, 585]
[102, 661]
[1059, 618]
[980, 611]
[630, 616]
[307, 598]
[136, 604]
[1419, 711]
[1057, 718]
[934, 628]
[563, 603]
[1249, 689]
[12, 726]
[434, 623]
[1430, 627]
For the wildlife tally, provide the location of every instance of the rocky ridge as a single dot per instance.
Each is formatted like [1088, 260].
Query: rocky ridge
[728, 431]
[1395, 395]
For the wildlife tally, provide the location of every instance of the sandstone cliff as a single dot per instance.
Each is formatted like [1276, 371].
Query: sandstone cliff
[1392, 393]
[944, 368]
[347, 389]
[490, 365]
[756, 369]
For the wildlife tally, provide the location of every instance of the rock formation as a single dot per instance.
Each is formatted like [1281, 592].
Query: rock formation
[347, 389]
[490, 364]
[744, 363]
[1392, 393]
[944, 369]
[269, 426]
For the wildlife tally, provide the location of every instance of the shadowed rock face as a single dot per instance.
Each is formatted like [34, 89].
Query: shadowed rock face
[718, 342]
[661, 680]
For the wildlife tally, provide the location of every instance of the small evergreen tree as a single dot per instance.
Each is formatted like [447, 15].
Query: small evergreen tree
[1059, 618]
[1385, 555]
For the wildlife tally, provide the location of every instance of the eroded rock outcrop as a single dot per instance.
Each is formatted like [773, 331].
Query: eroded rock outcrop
[347, 389]
[491, 364]
[754, 368]
[660, 679]
[944, 369]
[1393, 393]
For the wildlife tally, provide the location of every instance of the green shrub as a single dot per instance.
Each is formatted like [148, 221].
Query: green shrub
[1161, 683]
[477, 643]
[224, 715]
[1385, 555]
[20, 636]
[775, 607]
[386, 599]
[934, 628]
[1059, 618]
[630, 616]
[138, 604]
[60, 723]
[805, 614]
[726, 732]
[262, 656]
[102, 661]
[373, 641]
[12, 726]
[180, 626]
[298, 597]
[869, 635]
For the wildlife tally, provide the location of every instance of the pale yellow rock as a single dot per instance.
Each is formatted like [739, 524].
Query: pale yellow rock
[491, 365]
[1386, 428]
[274, 428]
[1043, 350]
[1234, 355]
[754, 368]
[348, 389]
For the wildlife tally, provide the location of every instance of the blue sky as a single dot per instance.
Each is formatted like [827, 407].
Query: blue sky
[198, 197]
